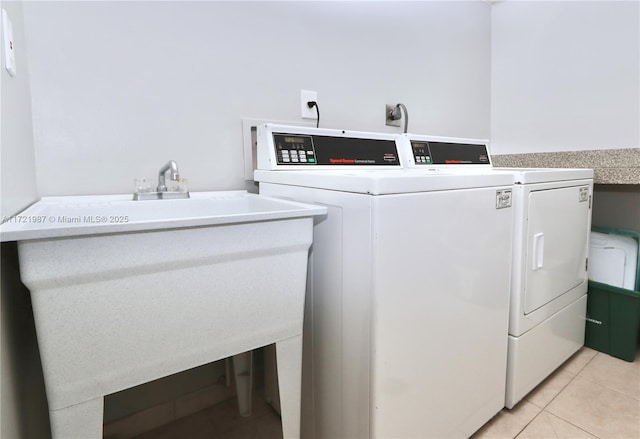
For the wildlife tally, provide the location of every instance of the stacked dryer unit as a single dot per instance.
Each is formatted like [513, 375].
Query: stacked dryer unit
[550, 250]
[407, 303]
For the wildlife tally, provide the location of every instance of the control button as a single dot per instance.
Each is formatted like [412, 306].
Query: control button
[294, 159]
[286, 159]
[310, 152]
[311, 160]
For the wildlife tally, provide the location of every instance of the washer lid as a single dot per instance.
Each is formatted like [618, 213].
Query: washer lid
[381, 182]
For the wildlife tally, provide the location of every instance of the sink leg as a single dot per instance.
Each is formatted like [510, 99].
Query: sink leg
[81, 421]
[243, 371]
[289, 359]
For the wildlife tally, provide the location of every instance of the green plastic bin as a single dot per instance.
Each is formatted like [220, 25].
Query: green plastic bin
[613, 320]
[613, 314]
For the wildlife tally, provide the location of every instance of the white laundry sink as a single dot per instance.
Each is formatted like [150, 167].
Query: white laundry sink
[53, 217]
[179, 284]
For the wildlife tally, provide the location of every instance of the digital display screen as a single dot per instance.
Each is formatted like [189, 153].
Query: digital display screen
[290, 139]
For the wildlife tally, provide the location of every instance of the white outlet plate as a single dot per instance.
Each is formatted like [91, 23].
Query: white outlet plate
[306, 96]
[388, 121]
[7, 37]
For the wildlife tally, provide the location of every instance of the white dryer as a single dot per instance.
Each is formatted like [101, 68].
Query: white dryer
[406, 315]
[549, 281]
[550, 249]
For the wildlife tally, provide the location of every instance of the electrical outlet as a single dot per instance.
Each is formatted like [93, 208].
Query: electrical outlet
[7, 36]
[388, 109]
[306, 96]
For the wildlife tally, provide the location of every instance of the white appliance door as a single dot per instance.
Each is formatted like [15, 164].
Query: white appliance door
[442, 263]
[557, 244]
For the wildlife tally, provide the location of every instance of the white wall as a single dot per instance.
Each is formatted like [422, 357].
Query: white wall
[119, 88]
[17, 168]
[23, 407]
[565, 75]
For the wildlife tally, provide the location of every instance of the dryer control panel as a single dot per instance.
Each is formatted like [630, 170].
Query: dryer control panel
[449, 153]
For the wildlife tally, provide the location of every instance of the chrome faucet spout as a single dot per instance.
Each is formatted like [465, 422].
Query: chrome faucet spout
[174, 175]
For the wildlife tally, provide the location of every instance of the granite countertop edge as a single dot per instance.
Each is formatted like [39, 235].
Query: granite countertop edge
[611, 166]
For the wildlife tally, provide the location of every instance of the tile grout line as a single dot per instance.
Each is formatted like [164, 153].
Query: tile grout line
[569, 382]
[605, 384]
[544, 409]
[527, 424]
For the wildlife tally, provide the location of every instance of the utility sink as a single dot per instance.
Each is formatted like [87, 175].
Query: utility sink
[125, 292]
[53, 217]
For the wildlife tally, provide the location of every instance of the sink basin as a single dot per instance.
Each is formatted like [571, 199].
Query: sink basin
[53, 217]
[159, 287]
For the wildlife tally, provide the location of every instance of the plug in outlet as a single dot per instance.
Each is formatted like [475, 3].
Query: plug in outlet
[306, 96]
[389, 120]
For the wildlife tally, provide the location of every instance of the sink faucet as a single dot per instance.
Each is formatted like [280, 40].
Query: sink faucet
[175, 176]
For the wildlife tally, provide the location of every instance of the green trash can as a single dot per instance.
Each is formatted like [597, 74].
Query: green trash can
[613, 320]
[613, 314]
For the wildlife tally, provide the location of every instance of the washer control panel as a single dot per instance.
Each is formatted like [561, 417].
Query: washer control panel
[294, 149]
[313, 149]
[449, 153]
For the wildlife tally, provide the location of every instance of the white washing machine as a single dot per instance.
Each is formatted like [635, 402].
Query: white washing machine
[550, 249]
[407, 305]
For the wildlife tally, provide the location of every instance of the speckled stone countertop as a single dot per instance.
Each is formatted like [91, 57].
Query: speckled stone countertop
[610, 166]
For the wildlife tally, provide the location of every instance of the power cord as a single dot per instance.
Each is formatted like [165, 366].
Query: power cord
[312, 104]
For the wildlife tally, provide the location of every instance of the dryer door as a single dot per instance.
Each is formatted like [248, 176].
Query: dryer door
[557, 240]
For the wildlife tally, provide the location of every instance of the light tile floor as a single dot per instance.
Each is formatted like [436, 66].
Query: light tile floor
[592, 395]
